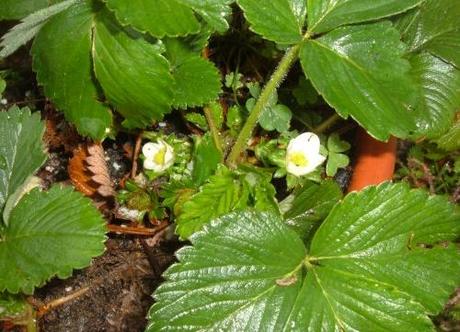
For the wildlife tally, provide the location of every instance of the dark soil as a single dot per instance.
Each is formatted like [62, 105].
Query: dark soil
[119, 283]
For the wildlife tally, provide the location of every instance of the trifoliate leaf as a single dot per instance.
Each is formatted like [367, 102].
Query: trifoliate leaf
[49, 233]
[366, 269]
[324, 15]
[61, 58]
[219, 196]
[451, 140]
[22, 151]
[439, 84]
[22, 33]
[159, 18]
[277, 118]
[142, 94]
[281, 21]
[309, 205]
[368, 78]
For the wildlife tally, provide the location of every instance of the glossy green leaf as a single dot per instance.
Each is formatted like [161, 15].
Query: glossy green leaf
[450, 141]
[22, 151]
[159, 17]
[62, 60]
[25, 31]
[324, 15]
[142, 94]
[219, 196]
[433, 25]
[365, 271]
[228, 280]
[281, 21]
[49, 233]
[447, 47]
[439, 84]
[359, 70]
[309, 205]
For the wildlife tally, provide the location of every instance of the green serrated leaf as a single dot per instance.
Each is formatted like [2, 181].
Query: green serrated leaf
[439, 84]
[25, 31]
[366, 269]
[159, 17]
[451, 140]
[198, 120]
[434, 19]
[309, 205]
[22, 151]
[281, 21]
[233, 268]
[368, 80]
[197, 82]
[446, 47]
[219, 196]
[325, 15]
[49, 233]
[61, 58]
[142, 94]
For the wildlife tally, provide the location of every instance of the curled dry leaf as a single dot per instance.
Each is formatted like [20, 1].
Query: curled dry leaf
[88, 171]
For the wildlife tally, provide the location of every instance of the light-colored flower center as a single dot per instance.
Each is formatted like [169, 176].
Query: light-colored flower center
[159, 157]
[299, 159]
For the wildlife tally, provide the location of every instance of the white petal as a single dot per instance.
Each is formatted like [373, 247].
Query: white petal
[308, 143]
[150, 149]
[150, 164]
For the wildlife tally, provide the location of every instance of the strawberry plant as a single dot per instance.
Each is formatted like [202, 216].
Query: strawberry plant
[274, 243]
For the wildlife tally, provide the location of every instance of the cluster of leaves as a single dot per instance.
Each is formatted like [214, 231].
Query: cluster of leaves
[42, 234]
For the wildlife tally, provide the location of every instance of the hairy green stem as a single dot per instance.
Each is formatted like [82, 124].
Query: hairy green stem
[327, 123]
[275, 81]
[213, 128]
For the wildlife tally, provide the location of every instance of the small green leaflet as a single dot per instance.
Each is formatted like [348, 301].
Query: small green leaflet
[22, 151]
[367, 76]
[12, 306]
[365, 270]
[281, 21]
[325, 15]
[450, 141]
[335, 158]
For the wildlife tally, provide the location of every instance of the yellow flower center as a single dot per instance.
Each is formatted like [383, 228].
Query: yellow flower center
[299, 159]
[159, 157]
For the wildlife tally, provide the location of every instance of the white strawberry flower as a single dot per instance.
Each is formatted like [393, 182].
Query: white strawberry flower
[302, 155]
[158, 156]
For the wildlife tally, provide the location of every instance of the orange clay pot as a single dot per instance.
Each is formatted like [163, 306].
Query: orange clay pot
[374, 163]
